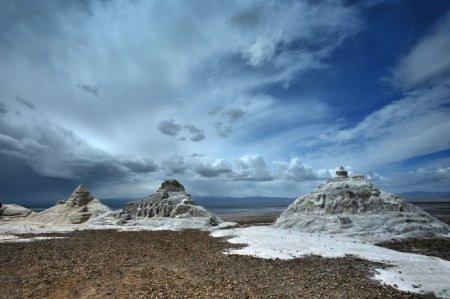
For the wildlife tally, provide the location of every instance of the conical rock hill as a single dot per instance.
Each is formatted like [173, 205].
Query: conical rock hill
[79, 207]
[170, 200]
[354, 207]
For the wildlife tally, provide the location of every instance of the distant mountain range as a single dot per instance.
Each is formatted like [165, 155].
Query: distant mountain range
[220, 202]
[419, 196]
[211, 202]
[233, 202]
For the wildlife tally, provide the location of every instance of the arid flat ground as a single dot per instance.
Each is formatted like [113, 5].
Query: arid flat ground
[98, 264]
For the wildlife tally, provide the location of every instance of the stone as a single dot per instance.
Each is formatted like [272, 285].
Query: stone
[79, 208]
[355, 207]
[13, 210]
[172, 185]
[170, 200]
[342, 173]
[80, 197]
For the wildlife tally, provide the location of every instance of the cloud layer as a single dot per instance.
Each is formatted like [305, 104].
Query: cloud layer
[120, 94]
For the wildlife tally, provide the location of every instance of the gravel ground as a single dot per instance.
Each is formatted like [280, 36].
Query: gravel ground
[439, 247]
[256, 219]
[98, 264]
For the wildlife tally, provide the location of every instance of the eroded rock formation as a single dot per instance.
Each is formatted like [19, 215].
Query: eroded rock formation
[80, 207]
[80, 197]
[355, 207]
[170, 200]
[13, 210]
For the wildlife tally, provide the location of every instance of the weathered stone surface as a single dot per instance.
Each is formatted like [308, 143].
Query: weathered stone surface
[80, 207]
[13, 210]
[170, 200]
[80, 197]
[172, 185]
[353, 206]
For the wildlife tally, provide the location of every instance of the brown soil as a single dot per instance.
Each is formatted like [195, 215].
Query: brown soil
[250, 219]
[439, 247]
[99, 264]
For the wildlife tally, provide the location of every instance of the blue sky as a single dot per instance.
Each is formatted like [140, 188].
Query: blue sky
[231, 98]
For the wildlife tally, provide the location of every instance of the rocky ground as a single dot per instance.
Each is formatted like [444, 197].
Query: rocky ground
[439, 247]
[255, 219]
[165, 264]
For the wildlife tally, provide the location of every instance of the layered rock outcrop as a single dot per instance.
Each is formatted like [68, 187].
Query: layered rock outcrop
[355, 207]
[13, 210]
[170, 200]
[78, 208]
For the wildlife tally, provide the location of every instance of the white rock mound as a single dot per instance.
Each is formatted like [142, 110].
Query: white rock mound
[354, 207]
[79, 208]
[169, 201]
[11, 211]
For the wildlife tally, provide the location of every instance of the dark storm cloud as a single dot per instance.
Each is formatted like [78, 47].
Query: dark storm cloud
[49, 152]
[50, 156]
[169, 127]
[197, 133]
[20, 184]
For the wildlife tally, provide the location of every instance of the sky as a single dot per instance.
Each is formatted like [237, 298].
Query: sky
[232, 98]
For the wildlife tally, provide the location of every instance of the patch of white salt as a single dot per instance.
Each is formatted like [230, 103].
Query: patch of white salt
[9, 229]
[409, 272]
[23, 240]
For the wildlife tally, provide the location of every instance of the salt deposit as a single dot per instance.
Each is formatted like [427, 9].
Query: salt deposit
[10, 211]
[408, 272]
[170, 200]
[79, 208]
[170, 208]
[352, 206]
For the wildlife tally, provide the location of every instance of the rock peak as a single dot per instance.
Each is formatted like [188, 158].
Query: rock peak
[80, 196]
[356, 207]
[171, 186]
[342, 173]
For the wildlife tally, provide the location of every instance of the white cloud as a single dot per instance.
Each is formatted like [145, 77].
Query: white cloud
[261, 52]
[207, 167]
[428, 61]
[414, 125]
[52, 151]
[297, 171]
[117, 74]
[251, 168]
[148, 61]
